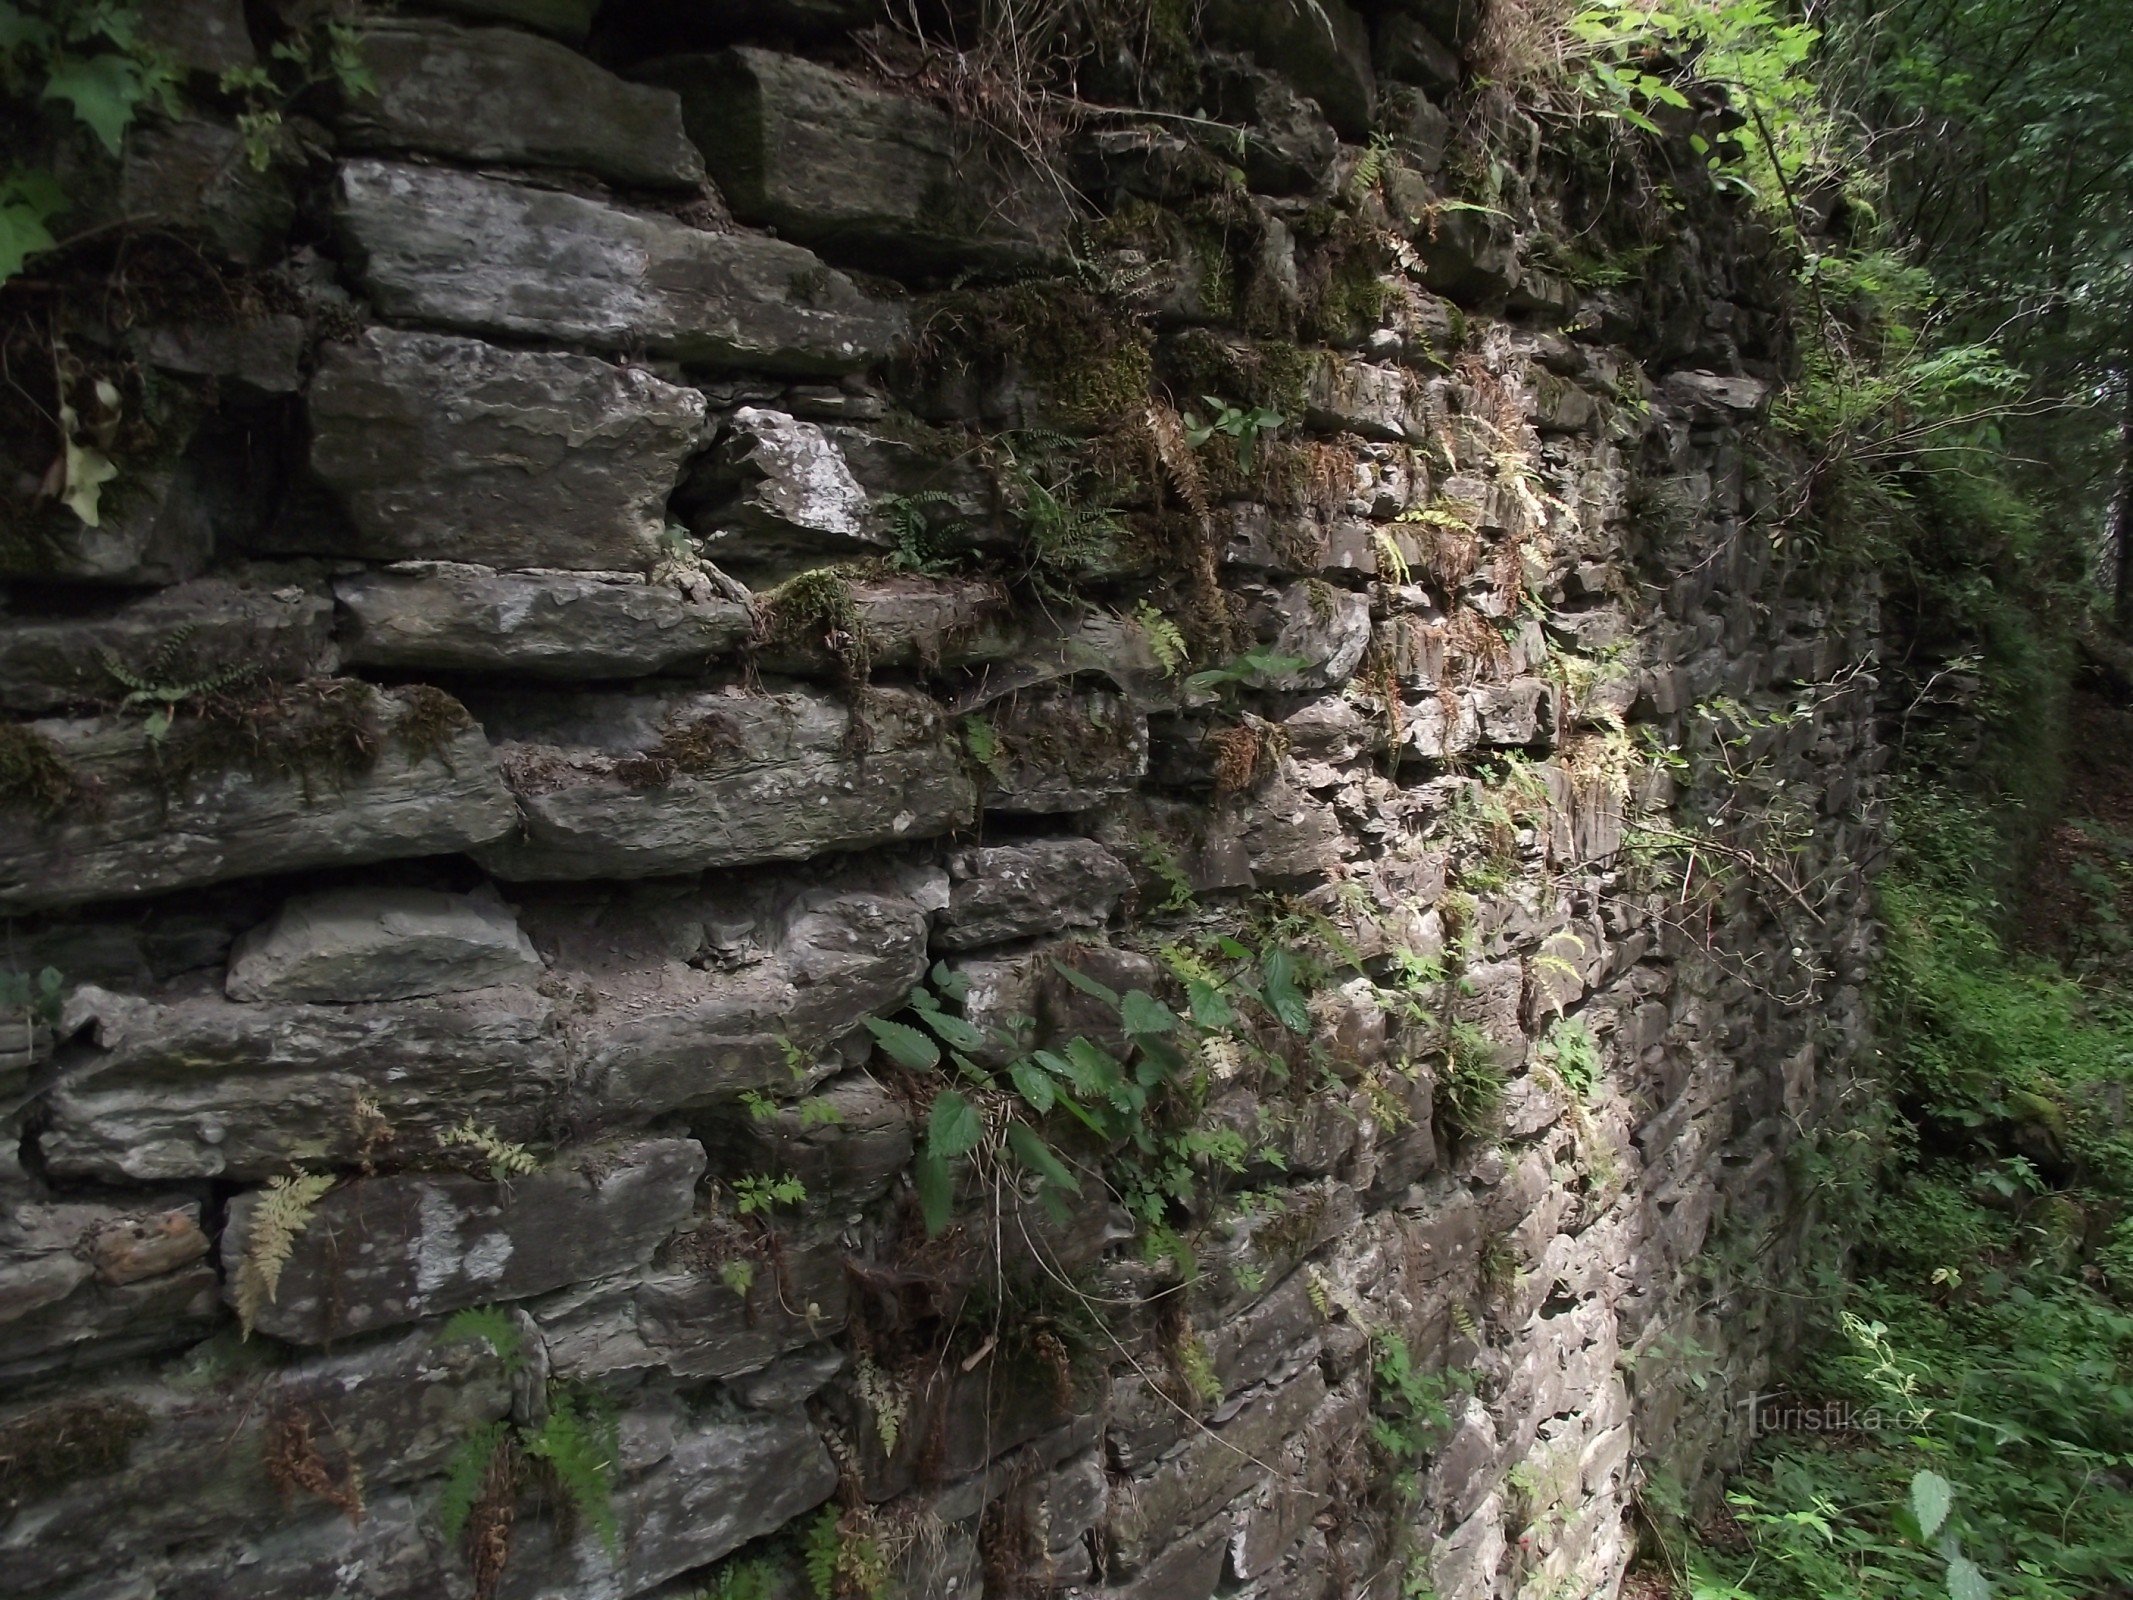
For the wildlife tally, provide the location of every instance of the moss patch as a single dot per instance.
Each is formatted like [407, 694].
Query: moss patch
[816, 611]
[34, 776]
[322, 728]
[698, 746]
[68, 1440]
[1092, 361]
[429, 721]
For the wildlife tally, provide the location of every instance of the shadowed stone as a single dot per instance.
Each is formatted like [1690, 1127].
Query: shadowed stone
[499, 95]
[380, 944]
[1018, 891]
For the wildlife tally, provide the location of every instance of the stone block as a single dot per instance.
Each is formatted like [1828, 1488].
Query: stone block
[54, 658]
[1323, 629]
[259, 355]
[1322, 48]
[389, 1413]
[387, 1250]
[380, 944]
[849, 1144]
[905, 622]
[565, 19]
[452, 449]
[562, 267]
[188, 175]
[646, 785]
[1020, 891]
[391, 785]
[207, 1087]
[496, 95]
[798, 502]
[724, 1483]
[572, 626]
[83, 1284]
[865, 175]
[1060, 747]
[204, 36]
[695, 997]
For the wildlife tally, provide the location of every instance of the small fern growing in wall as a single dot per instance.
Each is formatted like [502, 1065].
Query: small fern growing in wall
[505, 1159]
[494, 1327]
[278, 1220]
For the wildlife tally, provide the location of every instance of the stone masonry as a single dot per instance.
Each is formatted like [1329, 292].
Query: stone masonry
[675, 538]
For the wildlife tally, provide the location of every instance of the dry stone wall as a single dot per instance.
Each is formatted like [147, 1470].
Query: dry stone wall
[644, 539]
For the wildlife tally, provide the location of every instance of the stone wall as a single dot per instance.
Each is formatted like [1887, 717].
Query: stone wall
[641, 540]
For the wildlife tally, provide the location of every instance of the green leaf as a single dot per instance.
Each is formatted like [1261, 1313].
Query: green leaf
[952, 985]
[953, 1128]
[1210, 1007]
[1931, 1497]
[1036, 1155]
[1965, 1581]
[1086, 984]
[1142, 1013]
[103, 91]
[1033, 1085]
[906, 1046]
[1283, 998]
[22, 228]
[936, 1190]
[954, 1031]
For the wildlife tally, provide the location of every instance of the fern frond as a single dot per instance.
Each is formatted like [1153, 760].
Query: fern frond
[283, 1213]
[466, 1475]
[577, 1448]
[506, 1160]
[1392, 561]
[494, 1327]
[1165, 641]
[1166, 431]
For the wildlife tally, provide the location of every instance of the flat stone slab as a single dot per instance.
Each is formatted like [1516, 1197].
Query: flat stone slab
[500, 95]
[452, 449]
[844, 166]
[907, 621]
[566, 625]
[51, 660]
[1019, 891]
[140, 829]
[798, 500]
[382, 1251]
[209, 1087]
[690, 998]
[347, 945]
[558, 266]
[651, 785]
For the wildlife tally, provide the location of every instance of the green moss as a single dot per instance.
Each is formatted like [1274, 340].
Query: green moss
[1470, 1088]
[429, 721]
[1269, 372]
[322, 728]
[815, 610]
[58, 1444]
[1092, 361]
[701, 745]
[34, 776]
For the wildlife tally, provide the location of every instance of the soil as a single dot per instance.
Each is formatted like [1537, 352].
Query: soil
[2094, 831]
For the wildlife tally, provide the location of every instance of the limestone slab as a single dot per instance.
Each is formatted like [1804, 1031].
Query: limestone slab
[562, 267]
[767, 777]
[388, 1250]
[144, 830]
[209, 1087]
[501, 95]
[444, 448]
[345, 945]
[1019, 891]
[573, 626]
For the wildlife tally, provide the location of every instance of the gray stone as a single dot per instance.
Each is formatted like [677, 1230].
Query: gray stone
[724, 1483]
[83, 1284]
[696, 998]
[380, 1251]
[566, 19]
[204, 36]
[208, 1087]
[499, 95]
[1376, 400]
[558, 266]
[262, 354]
[799, 502]
[572, 626]
[380, 944]
[1324, 629]
[1323, 48]
[385, 1556]
[51, 659]
[764, 777]
[882, 180]
[1061, 747]
[1019, 891]
[1408, 51]
[1288, 147]
[1471, 258]
[387, 1414]
[453, 449]
[146, 831]
[848, 1143]
[188, 175]
[906, 621]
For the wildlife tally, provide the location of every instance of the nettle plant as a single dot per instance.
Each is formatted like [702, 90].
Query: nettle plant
[1085, 1112]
